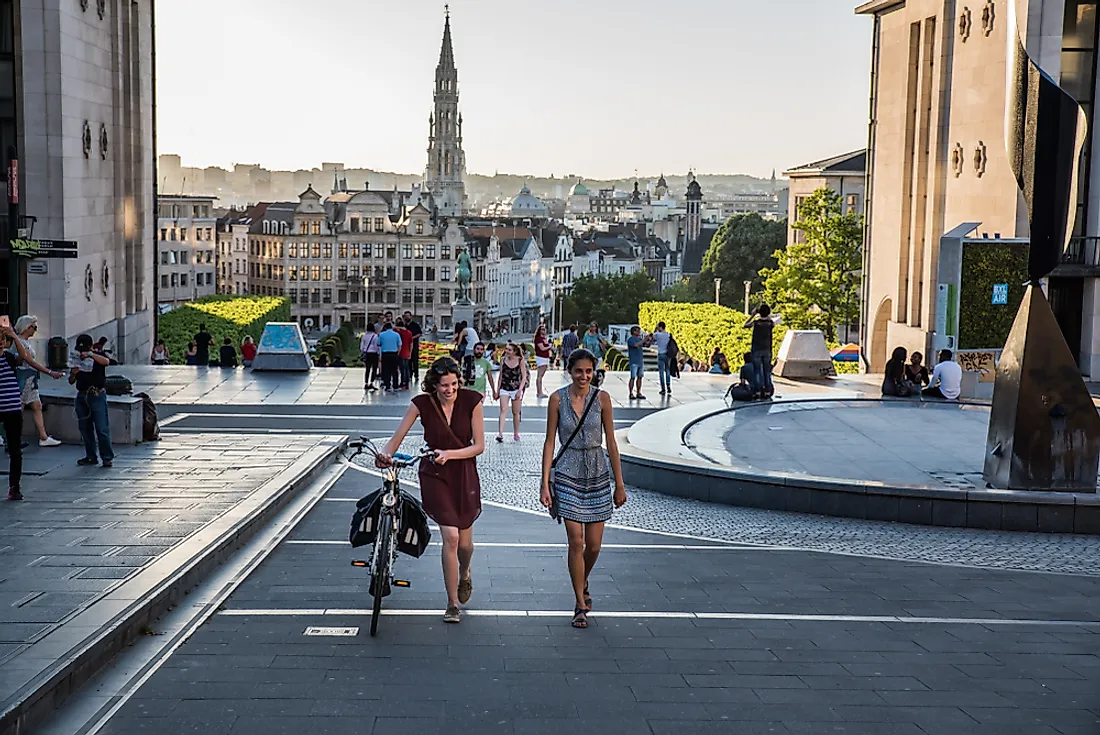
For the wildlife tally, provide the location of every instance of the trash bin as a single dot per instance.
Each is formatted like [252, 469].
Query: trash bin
[57, 353]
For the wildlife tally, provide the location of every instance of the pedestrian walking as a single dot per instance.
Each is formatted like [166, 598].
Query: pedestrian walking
[543, 351]
[11, 406]
[483, 372]
[389, 343]
[469, 345]
[371, 351]
[227, 355]
[450, 489]
[661, 338]
[159, 355]
[514, 379]
[89, 374]
[762, 323]
[27, 374]
[414, 361]
[404, 356]
[582, 485]
[203, 342]
[569, 342]
[636, 360]
[248, 351]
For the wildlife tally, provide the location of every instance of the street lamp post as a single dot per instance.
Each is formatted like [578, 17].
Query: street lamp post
[718, 291]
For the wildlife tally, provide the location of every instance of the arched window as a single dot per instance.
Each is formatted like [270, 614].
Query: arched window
[266, 227]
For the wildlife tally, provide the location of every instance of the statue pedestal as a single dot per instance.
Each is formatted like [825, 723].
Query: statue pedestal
[463, 313]
[1044, 431]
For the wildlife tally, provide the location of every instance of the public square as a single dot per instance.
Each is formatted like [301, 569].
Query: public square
[707, 618]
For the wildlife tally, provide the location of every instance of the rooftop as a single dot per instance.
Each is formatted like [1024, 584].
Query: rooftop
[854, 163]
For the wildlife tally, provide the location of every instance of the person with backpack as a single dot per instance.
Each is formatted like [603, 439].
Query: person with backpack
[581, 485]
[762, 324]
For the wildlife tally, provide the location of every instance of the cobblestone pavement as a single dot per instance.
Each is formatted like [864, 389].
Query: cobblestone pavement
[84, 532]
[687, 637]
[510, 475]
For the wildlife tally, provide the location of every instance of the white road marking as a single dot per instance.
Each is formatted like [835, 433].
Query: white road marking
[173, 419]
[605, 547]
[676, 615]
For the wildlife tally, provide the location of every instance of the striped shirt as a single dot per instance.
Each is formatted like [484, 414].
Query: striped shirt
[9, 385]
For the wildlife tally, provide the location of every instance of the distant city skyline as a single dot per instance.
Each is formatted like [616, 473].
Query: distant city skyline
[730, 87]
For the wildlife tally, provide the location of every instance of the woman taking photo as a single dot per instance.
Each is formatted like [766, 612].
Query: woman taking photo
[454, 426]
[513, 381]
[543, 351]
[579, 415]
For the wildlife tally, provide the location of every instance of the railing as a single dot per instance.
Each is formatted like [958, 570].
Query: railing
[1083, 251]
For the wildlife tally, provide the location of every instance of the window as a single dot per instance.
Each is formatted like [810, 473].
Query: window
[853, 202]
[315, 250]
[391, 296]
[355, 251]
[316, 272]
[379, 249]
[183, 235]
[355, 297]
[407, 252]
[304, 251]
[293, 294]
[326, 296]
[315, 227]
[391, 251]
[429, 296]
[292, 250]
[327, 273]
[418, 273]
[342, 296]
[444, 295]
[407, 273]
[164, 233]
[445, 273]
[391, 273]
[183, 279]
[175, 280]
[429, 274]
[354, 224]
[429, 251]
[315, 296]
[172, 234]
[327, 251]
[418, 296]
[343, 250]
[406, 295]
[164, 258]
[420, 228]
[164, 281]
[354, 273]
[419, 250]
[209, 234]
[342, 273]
[184, 257]
[292, 273]
[303, 228]
[378, 225]
[445, 252]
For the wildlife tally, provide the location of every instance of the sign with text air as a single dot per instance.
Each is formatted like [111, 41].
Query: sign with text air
[43, 248]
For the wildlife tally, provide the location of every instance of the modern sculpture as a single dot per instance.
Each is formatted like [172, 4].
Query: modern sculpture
[1044, 432]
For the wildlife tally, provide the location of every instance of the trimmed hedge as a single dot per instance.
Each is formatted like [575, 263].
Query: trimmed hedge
[224, 316]
[699, 328]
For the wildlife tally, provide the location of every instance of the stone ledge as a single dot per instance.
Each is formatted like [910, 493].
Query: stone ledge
[123, 412]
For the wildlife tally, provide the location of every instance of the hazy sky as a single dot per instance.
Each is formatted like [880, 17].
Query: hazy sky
[593, 87]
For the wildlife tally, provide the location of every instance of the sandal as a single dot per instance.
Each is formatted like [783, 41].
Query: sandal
[500, 439]
[587, 597]
[453, 615]
[465, 589]
[580, 618]
[515, 436]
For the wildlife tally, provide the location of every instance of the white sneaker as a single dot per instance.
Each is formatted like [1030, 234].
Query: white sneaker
[49, 441]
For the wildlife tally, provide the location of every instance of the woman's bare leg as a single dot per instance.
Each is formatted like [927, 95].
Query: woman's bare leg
[517, 409]
[542, 372]
[593, 541]
[465, 551]
[503, 414]
[39, 421]
[450, 563]
[575, 534]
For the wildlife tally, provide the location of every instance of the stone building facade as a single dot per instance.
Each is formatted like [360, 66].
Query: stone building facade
[186, 249]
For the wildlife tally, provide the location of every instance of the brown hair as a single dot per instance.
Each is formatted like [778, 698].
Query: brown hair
[442, 366]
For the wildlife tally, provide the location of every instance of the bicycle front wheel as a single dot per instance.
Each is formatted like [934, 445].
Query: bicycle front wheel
[380, 576]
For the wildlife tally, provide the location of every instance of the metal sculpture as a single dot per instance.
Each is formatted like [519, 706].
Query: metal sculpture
[1044, 432]
[463, 278]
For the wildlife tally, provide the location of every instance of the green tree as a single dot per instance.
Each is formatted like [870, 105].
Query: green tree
[608, 299]
[815, 284]
[683, 292]
[741, 247]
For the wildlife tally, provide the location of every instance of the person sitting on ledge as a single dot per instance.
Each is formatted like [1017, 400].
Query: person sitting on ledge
[743, 390]
[916, 374]
[894, 383]
[946, 379]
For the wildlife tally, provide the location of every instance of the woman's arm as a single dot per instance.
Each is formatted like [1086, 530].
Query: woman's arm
[612, 448]
[477, 423]
[25, 356]
[548, 445]
[399, 436]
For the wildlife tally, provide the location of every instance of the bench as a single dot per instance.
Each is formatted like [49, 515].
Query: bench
[123, 412]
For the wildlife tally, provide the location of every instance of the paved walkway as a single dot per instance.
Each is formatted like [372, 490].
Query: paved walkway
[89, 546]
[687, 636]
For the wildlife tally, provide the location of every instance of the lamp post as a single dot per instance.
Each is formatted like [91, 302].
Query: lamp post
[366, 302]
[718, 291]
[748, 288]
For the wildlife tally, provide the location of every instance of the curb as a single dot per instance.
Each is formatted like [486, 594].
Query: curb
[120, 620]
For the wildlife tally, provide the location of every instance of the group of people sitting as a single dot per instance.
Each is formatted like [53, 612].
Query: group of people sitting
[904, 379]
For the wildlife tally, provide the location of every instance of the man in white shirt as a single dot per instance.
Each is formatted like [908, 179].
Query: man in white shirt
[946, 379]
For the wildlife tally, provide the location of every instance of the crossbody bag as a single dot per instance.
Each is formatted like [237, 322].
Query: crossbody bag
[553, 493]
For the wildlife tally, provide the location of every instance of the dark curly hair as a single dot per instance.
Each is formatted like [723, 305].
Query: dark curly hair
[439, 368]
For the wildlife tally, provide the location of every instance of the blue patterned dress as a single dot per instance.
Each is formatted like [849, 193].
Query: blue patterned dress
[582, 477]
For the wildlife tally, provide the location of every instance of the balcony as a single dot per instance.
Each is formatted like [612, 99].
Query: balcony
[1081, 259]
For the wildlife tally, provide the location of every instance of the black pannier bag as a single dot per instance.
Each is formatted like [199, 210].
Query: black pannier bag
[413, 532]
[150, 427]
[118, 385]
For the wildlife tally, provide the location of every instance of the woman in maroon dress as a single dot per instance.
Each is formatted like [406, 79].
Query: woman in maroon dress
[450, 489]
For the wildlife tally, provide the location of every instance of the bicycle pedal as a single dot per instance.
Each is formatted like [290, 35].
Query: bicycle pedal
[401, 583]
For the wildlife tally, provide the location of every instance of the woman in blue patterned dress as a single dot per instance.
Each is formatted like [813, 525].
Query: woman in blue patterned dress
[586, 492]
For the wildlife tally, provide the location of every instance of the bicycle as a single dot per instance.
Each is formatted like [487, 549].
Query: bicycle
[384, 551]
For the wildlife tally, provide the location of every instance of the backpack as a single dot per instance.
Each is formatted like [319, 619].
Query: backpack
[118, 385]
[413, 533]
[150, 428]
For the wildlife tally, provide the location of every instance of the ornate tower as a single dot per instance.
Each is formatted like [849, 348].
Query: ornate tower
[446, 169]
[694, 223]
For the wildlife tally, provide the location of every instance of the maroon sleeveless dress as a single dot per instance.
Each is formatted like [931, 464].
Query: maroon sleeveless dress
[451, 493]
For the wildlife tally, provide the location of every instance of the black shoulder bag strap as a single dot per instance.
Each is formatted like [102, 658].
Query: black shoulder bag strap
[584, 415]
